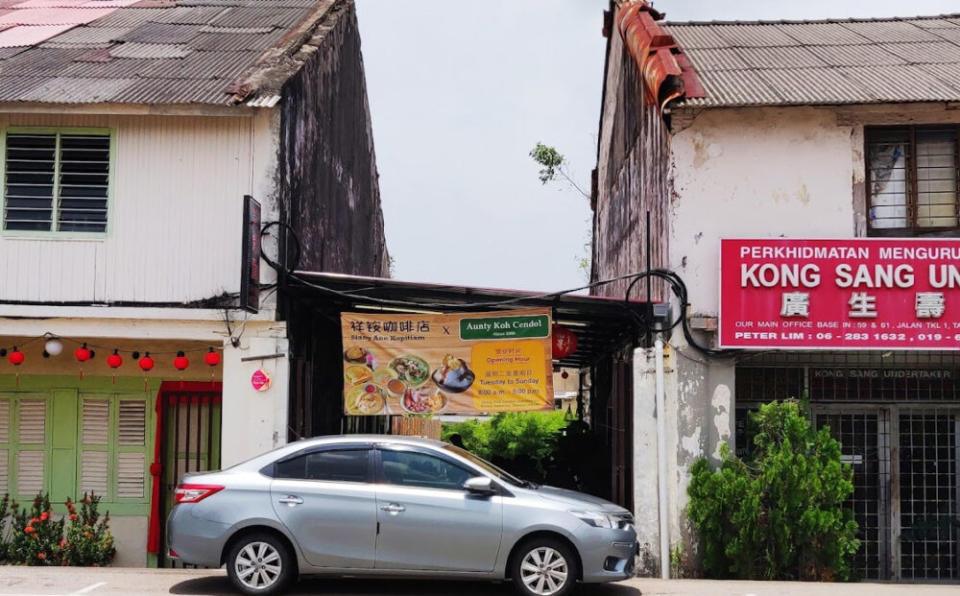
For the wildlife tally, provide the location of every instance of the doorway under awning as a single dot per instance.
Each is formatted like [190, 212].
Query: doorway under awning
[607, 330]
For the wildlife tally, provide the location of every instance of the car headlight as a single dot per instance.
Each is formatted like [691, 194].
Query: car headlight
[597, 519]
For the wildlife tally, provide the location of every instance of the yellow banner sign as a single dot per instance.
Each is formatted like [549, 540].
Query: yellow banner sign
[447, 364]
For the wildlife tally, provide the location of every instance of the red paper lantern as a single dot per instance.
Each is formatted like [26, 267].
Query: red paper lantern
[181, 362]
[114, 360]
[82, 354]
[15, 357]
[564, 342]
[146, 363]
[212, 358]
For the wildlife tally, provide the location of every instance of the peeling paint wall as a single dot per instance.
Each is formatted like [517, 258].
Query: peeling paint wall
[329, 174]
[759, 172]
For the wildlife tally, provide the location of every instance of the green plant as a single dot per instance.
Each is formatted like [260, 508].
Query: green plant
[88, 541]
[36, 535]
[524, 439]
[780, 514]
[4, 538]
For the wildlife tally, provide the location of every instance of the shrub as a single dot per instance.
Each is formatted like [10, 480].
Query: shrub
[4, 538]
[88, 541]
[780, 514]
[35, 537]
[525, 439]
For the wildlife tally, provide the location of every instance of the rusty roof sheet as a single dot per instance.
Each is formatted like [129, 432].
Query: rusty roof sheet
[828, 62]
[150, 51]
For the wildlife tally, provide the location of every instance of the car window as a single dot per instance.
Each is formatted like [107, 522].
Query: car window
[409, 468]
[336, 465]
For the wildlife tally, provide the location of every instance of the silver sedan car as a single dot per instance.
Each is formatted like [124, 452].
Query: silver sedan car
[388, 506]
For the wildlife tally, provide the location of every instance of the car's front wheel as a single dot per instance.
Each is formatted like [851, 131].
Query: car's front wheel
[544, 567]
[260, 564]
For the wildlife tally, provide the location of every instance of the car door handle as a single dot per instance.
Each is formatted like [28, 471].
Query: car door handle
[291, 500]
[393, 508]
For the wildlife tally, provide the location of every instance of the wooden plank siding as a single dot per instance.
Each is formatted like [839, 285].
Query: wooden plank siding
[632, 178]
[174, 218]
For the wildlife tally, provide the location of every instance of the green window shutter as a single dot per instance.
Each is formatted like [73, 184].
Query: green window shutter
[30, 472]
[31, 456]
[4, 445]
[94, 453]
[131, 447]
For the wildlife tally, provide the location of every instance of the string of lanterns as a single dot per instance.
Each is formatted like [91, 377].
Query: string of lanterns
[54, 347]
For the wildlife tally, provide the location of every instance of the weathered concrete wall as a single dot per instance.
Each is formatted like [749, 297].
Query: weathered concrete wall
[756, 173]
[328, 166]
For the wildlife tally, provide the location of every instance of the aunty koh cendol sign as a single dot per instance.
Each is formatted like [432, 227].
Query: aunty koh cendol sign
[447, 364]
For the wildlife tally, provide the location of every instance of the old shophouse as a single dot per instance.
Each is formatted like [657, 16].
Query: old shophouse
[145, 146]
[797, 137]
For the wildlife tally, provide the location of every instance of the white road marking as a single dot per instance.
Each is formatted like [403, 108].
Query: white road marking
[89, 588]
[79, 592]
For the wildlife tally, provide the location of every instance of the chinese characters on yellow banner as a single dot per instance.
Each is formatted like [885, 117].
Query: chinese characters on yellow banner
[447, 364]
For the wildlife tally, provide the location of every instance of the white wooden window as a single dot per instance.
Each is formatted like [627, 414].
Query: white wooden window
[56, 181]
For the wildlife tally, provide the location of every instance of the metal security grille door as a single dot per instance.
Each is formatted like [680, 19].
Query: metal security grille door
[191, 442]
[863, 439]
[898, 421]
[928, 495]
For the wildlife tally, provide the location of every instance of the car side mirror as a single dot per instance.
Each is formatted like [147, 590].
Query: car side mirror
[480, 485]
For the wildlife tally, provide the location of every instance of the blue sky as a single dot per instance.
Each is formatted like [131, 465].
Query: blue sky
[461, 91]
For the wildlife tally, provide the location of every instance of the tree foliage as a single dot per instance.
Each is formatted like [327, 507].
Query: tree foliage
[525, 438]
[549, 159]
[779, 515]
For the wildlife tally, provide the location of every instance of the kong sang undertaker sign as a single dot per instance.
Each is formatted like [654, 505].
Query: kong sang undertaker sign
[859, 294]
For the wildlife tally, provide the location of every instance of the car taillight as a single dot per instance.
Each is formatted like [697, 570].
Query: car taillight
[194, 493]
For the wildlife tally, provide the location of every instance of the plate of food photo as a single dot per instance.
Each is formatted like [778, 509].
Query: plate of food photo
[412, 370]
[365, 400]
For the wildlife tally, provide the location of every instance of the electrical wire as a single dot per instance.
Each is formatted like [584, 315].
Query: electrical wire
[677, 286]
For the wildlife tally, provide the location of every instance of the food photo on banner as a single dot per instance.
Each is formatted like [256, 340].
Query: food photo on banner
[862, 294]
[467, 363]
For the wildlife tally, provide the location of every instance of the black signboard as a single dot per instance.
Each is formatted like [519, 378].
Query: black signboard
[250, 267]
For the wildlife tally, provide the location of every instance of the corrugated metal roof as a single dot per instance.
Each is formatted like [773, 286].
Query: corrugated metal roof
[132, 51]
[823, 62]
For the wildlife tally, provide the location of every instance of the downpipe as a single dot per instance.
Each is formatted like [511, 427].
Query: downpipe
[662, 461]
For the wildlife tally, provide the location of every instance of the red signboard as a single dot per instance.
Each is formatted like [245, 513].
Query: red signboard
[858, 294]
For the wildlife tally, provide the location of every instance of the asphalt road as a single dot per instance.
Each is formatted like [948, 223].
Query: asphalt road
[67, 581]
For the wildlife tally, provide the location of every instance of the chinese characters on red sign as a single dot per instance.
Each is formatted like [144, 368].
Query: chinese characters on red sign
[840, 294]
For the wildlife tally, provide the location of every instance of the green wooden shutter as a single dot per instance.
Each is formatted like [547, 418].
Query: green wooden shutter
[4, 445]
[95, 442]
[32, 447]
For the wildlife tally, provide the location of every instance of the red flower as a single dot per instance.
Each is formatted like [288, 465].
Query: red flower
[63, 542]
[41, 555]
[73, 516]
[44, 516]
[28, 529]
[34, 520]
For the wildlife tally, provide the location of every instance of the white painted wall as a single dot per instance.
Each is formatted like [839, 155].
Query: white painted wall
[756, 173]
[175, 217]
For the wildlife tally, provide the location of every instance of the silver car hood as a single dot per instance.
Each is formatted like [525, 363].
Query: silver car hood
[576, 499]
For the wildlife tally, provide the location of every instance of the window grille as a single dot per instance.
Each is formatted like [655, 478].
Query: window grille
[912, 180]
[56, 182]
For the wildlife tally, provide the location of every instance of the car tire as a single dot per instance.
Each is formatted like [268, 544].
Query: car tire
[544, 567]
[260, 564]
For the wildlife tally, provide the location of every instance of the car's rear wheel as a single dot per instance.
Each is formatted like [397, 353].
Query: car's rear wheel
[544, 567]
[260, 564]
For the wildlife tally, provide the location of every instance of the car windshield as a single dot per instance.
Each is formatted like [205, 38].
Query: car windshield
[492, 469]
